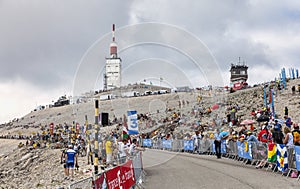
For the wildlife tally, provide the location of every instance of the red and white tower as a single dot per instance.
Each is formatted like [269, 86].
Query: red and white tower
[112, 76]
[113, 44]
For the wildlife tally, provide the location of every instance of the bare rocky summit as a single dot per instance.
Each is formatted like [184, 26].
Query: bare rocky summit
[40, 168]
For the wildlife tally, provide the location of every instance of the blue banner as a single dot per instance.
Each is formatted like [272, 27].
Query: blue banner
[240, 146]
[167, 144]
[147, 142]
[247, 150]
[223, 146]
[297, 157]
[188, 145]
[132, 123]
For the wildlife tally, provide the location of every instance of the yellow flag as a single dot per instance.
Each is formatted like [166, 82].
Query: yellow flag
[246, 147]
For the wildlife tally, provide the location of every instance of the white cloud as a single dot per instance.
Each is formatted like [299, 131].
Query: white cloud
[18, 98]
[42, 42]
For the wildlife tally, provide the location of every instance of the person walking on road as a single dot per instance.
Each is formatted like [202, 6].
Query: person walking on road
[71, 160]
[218, 143]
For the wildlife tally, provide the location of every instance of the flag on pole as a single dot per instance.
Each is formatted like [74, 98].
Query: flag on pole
[272, 156]
[282, 159]
[125, 133]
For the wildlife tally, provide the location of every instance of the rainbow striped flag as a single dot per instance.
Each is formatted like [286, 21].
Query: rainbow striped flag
[282, 159]
[272, 156]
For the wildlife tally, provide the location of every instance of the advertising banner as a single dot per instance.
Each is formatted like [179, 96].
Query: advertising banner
[223, 146]
[167, 144]
[99, 182]
[127, 175]
[241, 147]
[297, 156]
[188, 145]
[147, 142]
[113, 178]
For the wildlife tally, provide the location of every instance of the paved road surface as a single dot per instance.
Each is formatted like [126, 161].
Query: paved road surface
[181, 170]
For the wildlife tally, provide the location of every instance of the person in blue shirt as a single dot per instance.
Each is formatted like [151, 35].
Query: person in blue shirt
[277, 126]
[217, 142]
[71, 160]
[288, 121]
[251, 137]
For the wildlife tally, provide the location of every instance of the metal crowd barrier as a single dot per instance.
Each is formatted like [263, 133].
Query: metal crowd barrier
[247, 152]
[127, 175]
[83, 184]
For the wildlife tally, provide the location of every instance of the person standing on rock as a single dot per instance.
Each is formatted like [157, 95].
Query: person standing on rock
[71, 159]
[286, 111]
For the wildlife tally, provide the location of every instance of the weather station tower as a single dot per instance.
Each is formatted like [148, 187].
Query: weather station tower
[112, 75]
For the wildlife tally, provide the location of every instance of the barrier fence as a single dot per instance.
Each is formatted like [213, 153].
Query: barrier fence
[276, 157]
[127, 175]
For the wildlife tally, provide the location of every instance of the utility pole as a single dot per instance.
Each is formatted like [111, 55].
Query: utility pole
[96, 146]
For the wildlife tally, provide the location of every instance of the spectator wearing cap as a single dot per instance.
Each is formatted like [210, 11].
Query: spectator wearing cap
[251, 137]
[296, 134]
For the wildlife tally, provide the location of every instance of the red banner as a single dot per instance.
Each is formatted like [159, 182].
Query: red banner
[99, 182]
[113, 178]
[127, 175]
[121, 177]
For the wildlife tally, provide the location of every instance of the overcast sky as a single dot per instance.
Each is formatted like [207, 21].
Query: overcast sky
[52, 47]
